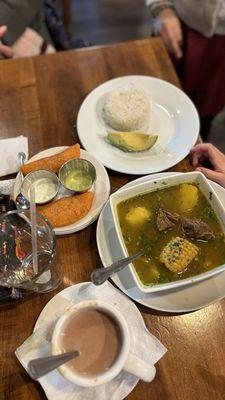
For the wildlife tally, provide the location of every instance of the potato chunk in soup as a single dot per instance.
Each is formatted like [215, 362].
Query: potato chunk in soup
[188, 197]
[137, 215]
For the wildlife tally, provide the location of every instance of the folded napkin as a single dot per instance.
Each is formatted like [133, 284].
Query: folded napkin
[9, 149]
[6, 187]
[143, 344]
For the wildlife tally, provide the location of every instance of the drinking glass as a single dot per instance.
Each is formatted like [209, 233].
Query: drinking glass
[16, 255]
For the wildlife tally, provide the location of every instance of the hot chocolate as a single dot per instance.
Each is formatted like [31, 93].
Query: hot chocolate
[98, 339]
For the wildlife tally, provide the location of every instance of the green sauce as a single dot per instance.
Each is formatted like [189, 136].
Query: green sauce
[78, 180]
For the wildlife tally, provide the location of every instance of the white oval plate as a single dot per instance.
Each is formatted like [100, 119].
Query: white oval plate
[101, 190]
[173, 118]
[188, 298]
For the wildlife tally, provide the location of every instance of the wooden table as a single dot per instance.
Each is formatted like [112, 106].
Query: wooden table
[40, 98]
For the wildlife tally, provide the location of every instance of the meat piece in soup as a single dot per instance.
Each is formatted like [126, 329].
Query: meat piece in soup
[196, 229]
[165, 219]
[140, 231]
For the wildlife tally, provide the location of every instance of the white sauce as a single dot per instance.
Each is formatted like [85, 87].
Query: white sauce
[45, 189]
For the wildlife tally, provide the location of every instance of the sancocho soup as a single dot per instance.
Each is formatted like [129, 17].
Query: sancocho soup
[177, 230]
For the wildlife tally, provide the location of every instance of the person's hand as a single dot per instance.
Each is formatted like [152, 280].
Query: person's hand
[206, 152]
[168, 26]
[6, 51]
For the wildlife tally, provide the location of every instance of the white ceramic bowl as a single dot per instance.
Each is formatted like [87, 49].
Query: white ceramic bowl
[160, 183]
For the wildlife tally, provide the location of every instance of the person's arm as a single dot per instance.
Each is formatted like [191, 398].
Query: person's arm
[207, 153]
[155, 6]
[5, 51]
[167, 25]
[17, 16]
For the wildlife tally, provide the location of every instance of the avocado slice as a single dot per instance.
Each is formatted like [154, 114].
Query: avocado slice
[132, 141]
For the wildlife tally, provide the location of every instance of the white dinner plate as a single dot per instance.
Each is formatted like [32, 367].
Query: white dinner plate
[173, 118]
[101, 189]
[188, 298]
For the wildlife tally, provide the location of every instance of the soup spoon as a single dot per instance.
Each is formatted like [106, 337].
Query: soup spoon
[41, 366]
[100, 275]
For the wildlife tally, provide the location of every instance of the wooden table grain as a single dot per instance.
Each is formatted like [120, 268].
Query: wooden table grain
[40, 98]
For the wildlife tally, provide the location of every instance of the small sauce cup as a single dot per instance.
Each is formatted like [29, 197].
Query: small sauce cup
[77, 175]
[46, 186]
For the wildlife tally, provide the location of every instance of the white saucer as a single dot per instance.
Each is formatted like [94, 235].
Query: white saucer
[71, 293]
[173, 118]
[101, 190]
[188, 298]
[144, 341]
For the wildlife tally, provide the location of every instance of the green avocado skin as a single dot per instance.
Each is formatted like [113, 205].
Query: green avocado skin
[120, 140]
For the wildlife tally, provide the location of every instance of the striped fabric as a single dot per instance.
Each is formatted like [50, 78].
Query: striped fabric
[158, 6]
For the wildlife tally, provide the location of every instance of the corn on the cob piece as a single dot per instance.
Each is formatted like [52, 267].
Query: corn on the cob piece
[177, 254]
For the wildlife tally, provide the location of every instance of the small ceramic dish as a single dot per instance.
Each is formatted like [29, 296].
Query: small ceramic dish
[45, 183]
[77, 175]
[196, 178]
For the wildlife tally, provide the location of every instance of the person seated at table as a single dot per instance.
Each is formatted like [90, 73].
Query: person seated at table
[32, 27]
[23, 29]
[206, 153]
[194, 33]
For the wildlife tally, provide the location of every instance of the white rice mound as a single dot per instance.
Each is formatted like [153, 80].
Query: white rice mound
[127, 110]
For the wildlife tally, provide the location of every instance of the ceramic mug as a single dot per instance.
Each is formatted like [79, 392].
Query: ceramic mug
[125, 361]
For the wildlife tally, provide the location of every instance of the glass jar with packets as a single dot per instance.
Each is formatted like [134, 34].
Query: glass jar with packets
[20, 268]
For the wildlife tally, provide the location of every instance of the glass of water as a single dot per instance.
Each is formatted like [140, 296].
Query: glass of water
[16, 256]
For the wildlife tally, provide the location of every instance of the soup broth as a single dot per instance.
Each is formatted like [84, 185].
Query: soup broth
[138, 222]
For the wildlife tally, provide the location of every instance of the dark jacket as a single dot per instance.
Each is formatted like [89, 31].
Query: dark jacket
[20, 14]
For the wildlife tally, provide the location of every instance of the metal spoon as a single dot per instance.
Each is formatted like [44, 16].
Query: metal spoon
[21, 202]
[41, 366]
[101, 275]
[22, 157]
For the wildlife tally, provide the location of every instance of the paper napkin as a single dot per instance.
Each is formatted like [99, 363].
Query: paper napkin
[6, 187]
[9, 149]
